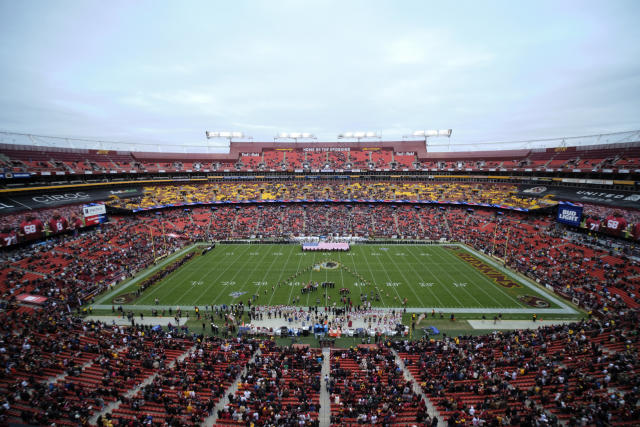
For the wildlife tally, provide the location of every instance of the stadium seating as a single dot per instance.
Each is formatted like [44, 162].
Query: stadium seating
[58, 369]
[367, 387]
[186, 392]
[283, 156]
[281, 385]
[488, 194]
[599, 276]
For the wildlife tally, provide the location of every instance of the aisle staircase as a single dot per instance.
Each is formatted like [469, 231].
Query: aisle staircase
[256, 230]
[421, 224]
[304, 221]
[235, 222]
[446, 223]
[395, 220]
[282, 219]
[213, 418]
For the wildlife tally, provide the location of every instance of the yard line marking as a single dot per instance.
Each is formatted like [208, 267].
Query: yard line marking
[434, 294]
[486, 279]
[266, 274]
[309, 274]
[446, 271]
[373, 280]
[275, 289]
[405, 279]
[326, 294]
[201, 272]
[127, 283]
[340, 268]
[215, 281]
[248, 259]
[445, 287]
[291, 287]
[231, 264]
[389, 279]
[192, 271]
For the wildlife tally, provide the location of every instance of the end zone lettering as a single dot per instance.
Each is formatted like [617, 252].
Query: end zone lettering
[487, 270]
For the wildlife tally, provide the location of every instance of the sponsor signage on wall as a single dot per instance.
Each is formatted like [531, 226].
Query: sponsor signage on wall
[627, 199]
[9, 204]
[569, 214]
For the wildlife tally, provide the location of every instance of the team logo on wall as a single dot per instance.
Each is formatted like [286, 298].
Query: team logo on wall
[535, 190]
[533, 301]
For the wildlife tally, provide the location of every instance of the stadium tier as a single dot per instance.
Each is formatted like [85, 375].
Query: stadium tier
[316, 157]
[299, 299]
[504, 196]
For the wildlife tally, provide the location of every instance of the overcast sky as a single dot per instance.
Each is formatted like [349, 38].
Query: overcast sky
[169, 70]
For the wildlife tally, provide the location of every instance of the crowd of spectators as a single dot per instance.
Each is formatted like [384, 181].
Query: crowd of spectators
[281, 386]
[390, 156]
[70, 269]
[58, 369]
[586, 373]
[24, 227]
[187, 392]
[368, 387]
[491, 194]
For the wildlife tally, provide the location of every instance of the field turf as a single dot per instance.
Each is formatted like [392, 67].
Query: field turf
[426, 277]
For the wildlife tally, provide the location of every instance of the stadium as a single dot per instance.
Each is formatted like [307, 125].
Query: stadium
[452, 239]
[330, 257]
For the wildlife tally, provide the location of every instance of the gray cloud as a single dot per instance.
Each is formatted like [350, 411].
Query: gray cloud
[163, 71]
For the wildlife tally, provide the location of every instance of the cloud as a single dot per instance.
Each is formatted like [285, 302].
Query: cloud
[169, 71]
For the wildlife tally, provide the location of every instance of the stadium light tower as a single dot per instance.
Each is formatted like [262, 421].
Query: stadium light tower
[295, 136]
[431, 133]
[359, 135]
[226, 135]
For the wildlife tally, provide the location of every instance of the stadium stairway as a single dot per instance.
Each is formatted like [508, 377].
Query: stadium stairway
[431, 408]
[395, 221]
[325, 398]
[212, 420]
[113, 406]
[304, 221]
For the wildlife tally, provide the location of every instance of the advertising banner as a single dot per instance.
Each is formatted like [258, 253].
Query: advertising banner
[22, 202]
[569, 214]
[624, 199]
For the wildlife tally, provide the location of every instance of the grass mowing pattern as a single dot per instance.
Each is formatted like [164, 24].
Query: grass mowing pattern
[426, 275]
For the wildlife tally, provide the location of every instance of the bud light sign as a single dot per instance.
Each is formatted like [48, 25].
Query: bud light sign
[569, 214]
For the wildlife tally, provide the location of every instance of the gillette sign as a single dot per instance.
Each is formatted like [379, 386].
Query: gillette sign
[569, 214]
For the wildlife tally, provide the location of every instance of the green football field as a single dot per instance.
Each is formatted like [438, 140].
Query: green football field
[424, 277]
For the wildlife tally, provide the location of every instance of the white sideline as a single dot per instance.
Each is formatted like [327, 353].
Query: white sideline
[515, 324]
